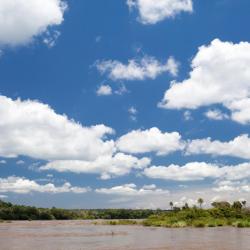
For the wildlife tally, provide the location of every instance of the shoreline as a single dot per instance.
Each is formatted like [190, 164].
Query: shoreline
[114, 223]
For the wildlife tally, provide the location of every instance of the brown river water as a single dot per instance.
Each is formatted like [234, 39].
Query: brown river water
[83, 235]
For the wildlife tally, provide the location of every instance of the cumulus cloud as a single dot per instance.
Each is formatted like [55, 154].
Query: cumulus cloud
[151, 140]
[216, 114]
[184, 200]
[145, 68]
[238, 147]
[104, 90]
[3, 162]
[197, 171]
[22, 185]
[151, 11]
[33, 129]
[132, 190]
[240, 110]
[132, 196]
[219, 75]
[22, 20]
[232, 186]
[190, 172]
[107, 166]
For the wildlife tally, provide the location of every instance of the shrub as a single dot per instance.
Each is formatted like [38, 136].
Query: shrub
[199, 224]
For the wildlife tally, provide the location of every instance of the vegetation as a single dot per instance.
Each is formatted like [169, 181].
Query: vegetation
[222, 214]
[9, 211]
[121, 222]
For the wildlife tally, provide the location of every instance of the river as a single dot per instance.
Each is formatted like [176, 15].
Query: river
[83, 235]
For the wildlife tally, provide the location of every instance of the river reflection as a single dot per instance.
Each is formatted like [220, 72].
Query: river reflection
[82, 235]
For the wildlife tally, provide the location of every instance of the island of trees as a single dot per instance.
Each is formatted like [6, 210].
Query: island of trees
[220, 214]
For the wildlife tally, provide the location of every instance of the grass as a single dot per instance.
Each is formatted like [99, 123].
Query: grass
[117, 222]
[122, 222]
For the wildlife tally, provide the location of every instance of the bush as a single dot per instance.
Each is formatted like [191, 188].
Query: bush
[199, 224]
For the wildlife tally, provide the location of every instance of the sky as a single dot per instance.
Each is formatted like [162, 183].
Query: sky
[124, 103]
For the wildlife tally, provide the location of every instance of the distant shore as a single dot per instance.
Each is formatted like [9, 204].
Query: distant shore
[222, 214]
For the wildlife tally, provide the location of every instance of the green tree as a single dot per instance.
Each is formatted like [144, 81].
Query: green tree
[221, 204]
[244, 203]
[200, 202]
[171, 204]
[237, 205]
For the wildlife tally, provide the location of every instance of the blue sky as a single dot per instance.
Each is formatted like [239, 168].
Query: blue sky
[111, 63]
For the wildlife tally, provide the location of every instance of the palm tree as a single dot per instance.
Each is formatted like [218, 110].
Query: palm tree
[244, 203]
[171, 204]
[200, 201]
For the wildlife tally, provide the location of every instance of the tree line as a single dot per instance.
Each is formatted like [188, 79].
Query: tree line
[8, 211]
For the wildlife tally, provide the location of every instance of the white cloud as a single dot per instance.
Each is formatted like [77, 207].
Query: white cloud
[20, 162]
[107, 166]
[121, 90]
[151, 140]
[184, 200]
[22, 20]
[216, 114]
[22, 185]
[187, 115]
[232, 186]
[132, 196]
[132, 190]
[147, 67]
[132, 110]
[33, 129]
[3, 162]
[51, 38]
[190, 172]
[152, 11]
[196, 171]
[238, 147]
[104, 90]
[240, 110]
[132, 113]
[219, 75]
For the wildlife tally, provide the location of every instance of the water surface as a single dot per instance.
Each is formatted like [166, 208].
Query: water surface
[82, 235]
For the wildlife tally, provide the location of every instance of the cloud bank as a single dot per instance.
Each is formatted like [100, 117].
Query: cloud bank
[22, 185]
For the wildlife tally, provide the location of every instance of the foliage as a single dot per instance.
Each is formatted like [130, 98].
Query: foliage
[9, 211]
[222, 214]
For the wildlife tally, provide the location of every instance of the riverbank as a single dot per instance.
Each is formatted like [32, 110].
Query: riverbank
[222, 214]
